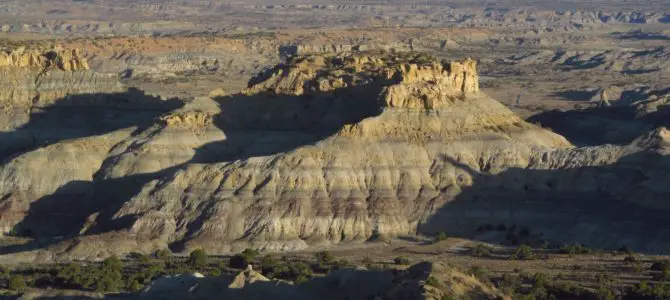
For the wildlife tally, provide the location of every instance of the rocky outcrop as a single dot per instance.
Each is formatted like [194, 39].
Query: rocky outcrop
[39, 78]
[373, 172]
[326, 150]
[64, 60]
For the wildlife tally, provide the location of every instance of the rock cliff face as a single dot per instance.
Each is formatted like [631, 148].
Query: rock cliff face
[38, 78]
[336, 149]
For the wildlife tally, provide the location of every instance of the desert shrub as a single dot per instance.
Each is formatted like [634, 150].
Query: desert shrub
[17, 283]
[162, 253]
[149, 273]
[480, 273]
[279, 270]
[508, 284]
[301, 279]
[133, 286]
[432, 281]
[401, 260]
[342, 263]
[242, 259]
[300, 269]
[441, 236]
[177, 267]
[324, 257]
[197, 258]
[482, 250]
[112, 263]
[574, 249]
[250, 254]
[522, 252]
[645, 290]
[109, 281]
[143, 258]
[4, 272]
[269, 261]
[540, 280]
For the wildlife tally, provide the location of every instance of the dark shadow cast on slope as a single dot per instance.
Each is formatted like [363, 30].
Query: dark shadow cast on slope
[254, 125]
[603, 207]
[268, 123]
[602, 125]
[84, 115]
[575, 95]
[60, 215]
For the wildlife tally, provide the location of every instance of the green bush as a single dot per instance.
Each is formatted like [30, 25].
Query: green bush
[509, 284]
[250, 254]
[162, 253]
[663, 275]
[4, 272]
[522, 252]
[300, 269]
[342, 263]
[482, 250]
[300, 279]
[197, 258]
[480, 273]
[242, 259]
[401, 260]
[134, 286]
[143, 258]
[574, 249]
[112, 263]
[324, 257]
[17, 283]
[110, 281]
[279, 270]
[540, 280]
[432, 281]
[269, 261]
[441, 236]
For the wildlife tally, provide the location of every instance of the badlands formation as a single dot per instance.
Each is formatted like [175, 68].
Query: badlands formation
[322, 150]
[399, 149]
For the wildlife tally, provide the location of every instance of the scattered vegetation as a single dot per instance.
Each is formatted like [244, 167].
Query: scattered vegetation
[523, 252]
[480, 273]
[162, 254]
[441, 236]
[241, 260]
[324, 257]
[432, 281]
[482, 250]
[197, 258]
[401, 260]
[574, 249]
[16, 283]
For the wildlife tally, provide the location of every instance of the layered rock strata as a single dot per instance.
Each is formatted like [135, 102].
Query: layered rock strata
[348, 148]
